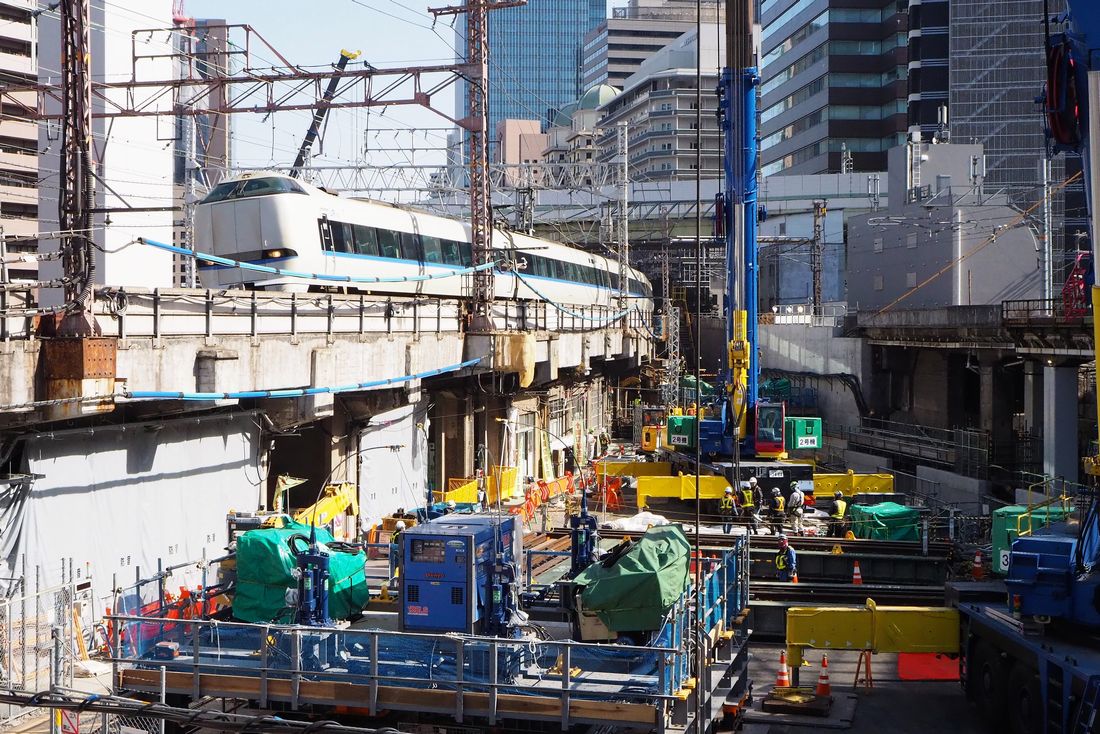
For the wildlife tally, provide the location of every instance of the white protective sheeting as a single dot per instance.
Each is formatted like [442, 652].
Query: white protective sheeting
[393, 478]
[115, 500]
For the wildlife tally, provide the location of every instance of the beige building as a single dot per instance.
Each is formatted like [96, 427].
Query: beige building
[519, 143]
[18, 141]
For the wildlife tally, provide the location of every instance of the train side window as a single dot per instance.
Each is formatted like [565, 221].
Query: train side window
[534, 265]
[614, 279]
[388, 245]
[450, 252]
[343, 240]
[366, 241]
[467, 252]
[326, 234]
[433, 249]
[410, 246]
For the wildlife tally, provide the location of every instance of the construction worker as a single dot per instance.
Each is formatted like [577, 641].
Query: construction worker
[838, 518]
[449, 507]
[757, 492]
[691, 409]
[776, 511]
[749, 507]
[796, 505]
[786, 562]
[728, 509]
[395, 550]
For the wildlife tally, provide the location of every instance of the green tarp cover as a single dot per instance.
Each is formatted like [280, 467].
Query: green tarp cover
[635, 593]
[885, 521]
[265, 570]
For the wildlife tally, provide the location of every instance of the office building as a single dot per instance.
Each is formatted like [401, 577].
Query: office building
[18, 142]
[618, 46]
[975, 69]
[534, 58]
[134, 155]
[658, 105]
[202, 141]
[833, 85]
[941, 242]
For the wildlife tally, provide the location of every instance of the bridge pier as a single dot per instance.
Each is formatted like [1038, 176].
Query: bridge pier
[1060, 456]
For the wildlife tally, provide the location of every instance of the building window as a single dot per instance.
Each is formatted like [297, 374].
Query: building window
[910, 280]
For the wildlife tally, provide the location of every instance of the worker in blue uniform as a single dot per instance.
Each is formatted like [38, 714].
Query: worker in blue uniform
[786, 562]
[728, 509]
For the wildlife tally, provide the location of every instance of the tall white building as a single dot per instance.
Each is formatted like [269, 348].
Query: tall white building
[132, 156]
[18, 139]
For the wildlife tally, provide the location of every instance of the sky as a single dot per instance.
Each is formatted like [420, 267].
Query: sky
[389, 33]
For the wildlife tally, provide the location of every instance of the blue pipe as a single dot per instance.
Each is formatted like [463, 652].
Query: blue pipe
[292, 392]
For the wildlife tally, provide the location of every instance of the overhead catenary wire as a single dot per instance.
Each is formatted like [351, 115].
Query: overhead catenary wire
[1017, 220]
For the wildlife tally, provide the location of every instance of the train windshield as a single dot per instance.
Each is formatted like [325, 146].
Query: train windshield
[252, 187]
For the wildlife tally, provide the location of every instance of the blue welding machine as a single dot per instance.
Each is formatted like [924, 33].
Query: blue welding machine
[458, 574]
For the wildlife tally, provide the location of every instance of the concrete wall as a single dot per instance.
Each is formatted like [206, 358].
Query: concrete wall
[818, 350]
[969, 493]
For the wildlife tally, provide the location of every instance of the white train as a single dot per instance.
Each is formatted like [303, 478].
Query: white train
[275, 220]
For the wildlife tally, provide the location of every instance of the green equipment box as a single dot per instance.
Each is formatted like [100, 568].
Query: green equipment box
[1007, 524]
[681, 431]
[803, 433]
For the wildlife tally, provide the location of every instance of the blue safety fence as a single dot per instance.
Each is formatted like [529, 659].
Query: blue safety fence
[653, 673]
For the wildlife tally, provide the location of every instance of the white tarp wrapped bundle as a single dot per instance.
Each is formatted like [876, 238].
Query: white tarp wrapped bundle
[118, 498]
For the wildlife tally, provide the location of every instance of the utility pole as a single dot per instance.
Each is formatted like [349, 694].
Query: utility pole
[75, 199]
[476, 124]
[622, 223]
[817, 246]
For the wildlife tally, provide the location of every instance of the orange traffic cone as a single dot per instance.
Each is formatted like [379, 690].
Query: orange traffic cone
[857, 577]
[978, 571]
[783, 680]
[794, 579]
[823, 688]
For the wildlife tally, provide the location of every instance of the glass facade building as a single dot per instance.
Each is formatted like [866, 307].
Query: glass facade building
[833, 82]
[534, 58]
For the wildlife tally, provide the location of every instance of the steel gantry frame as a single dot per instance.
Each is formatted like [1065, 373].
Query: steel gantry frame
[75, 177]
[476, 124]
[251, 88]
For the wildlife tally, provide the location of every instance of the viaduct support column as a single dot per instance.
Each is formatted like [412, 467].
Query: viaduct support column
[1033, 396]
[1060, 422]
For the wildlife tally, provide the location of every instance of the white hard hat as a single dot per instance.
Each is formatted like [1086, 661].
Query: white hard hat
[451, 504]
[400, 525]
[729, 490]
[752, 480]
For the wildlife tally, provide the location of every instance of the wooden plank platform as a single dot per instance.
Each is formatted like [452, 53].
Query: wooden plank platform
[333, 693]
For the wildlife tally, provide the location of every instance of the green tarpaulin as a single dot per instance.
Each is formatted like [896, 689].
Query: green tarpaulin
[639, 588]
[885, 521]
[265, 571]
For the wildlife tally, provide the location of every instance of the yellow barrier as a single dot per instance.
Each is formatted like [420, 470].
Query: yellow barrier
[502, 482]
[633, 468]
[458, 490]
[875, 628]
[680, 487]
[851, 483]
